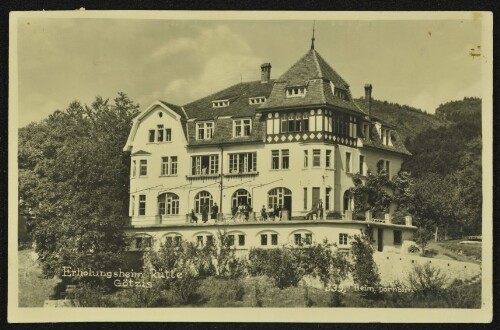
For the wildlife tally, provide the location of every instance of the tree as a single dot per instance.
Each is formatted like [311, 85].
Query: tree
[73, 180]
[365, 271]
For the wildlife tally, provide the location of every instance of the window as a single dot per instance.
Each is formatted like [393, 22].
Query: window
[168, 204]
[168, 134]
[308, 239]
[305, 198]
[294, 122]
[177, 240]
[202, 198]
[134, 167]
[306, 158]
[201, 165]
[274, 239]
[297, 239]
[165, 162]
[173, 165]
[398, 239]
[384, 166]
[316, 158]
[143, 242]
[230, 240]
[243, 163]
[220, 103]
[241, 240]
[151, 135]
[210, 240]
[142, 204]
[328, 192]
[204, 131]
[164, 166]
[241, 197]
[362, 165]
[263, 239]
[199, 241]
[132, 205]
[328, 159]
[296, 92]
[160, 133]
[143, 170]
[343, 239]
[256, 100]
[285, 159]
[278, 196]
[242, 127]
[275, 159]
[348, 162]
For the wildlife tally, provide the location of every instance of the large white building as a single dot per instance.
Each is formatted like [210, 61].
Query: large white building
[288, 142]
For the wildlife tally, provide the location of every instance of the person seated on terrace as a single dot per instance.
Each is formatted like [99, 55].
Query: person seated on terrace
[309, 215]
[194, 218]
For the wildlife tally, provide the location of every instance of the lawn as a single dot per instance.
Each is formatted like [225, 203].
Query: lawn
[461, 252]
[33, 289]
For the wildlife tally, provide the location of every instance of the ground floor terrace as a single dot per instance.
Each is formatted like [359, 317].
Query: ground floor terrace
[244, 234]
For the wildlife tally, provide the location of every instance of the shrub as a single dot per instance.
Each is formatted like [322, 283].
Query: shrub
[88, 295]
[307, 299]
[426, 280]
[183, 289]
[463, 295]
[279, 264]
[365, 271]
[222, 292]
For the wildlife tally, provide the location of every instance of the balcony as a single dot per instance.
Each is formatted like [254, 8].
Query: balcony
[241, 174]
[202, 177]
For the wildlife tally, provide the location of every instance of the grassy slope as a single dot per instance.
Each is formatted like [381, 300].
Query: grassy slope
[33, 289]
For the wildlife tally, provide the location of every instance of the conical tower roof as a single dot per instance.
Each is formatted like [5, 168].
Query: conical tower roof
[320, 79]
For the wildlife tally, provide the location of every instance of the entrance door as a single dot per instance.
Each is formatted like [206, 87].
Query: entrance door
[287, 204]
[380, 239]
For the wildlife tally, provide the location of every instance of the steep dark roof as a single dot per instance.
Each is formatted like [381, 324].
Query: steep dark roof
[312, 66]
[177, 109]
[311, 71]
[397, 143]
[237, 95]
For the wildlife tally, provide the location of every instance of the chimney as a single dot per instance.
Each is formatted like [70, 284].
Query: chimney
[368, 99]
[265, 73]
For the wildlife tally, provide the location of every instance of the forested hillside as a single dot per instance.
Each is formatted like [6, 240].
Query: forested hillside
[409, 121]
[446, 162]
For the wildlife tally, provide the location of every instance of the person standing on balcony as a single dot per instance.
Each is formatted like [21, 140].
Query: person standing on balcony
[204, 213]
[320, 209]
[215, 210]
[246, 211]
[277, 212]
[263, 213]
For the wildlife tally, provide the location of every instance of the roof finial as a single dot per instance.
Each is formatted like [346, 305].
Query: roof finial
[312, 39]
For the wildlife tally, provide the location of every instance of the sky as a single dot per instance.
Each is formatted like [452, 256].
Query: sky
[420, 63]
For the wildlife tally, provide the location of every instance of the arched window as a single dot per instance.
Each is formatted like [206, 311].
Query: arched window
[281, 197]
[168, 204]
[172, 238]
[202, 198]
[141, 242]
[241, 196]
[348, 201]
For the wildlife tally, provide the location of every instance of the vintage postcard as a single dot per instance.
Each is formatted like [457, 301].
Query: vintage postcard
[250, 166]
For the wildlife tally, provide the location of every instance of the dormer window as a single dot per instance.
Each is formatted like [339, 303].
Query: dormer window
[204, 131]
[220, 103]
[256, 100]
[338, 92]
[386, 137]
[295, 92]
[242, 127]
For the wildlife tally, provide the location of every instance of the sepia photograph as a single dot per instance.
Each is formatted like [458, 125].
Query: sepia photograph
[250, 166]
